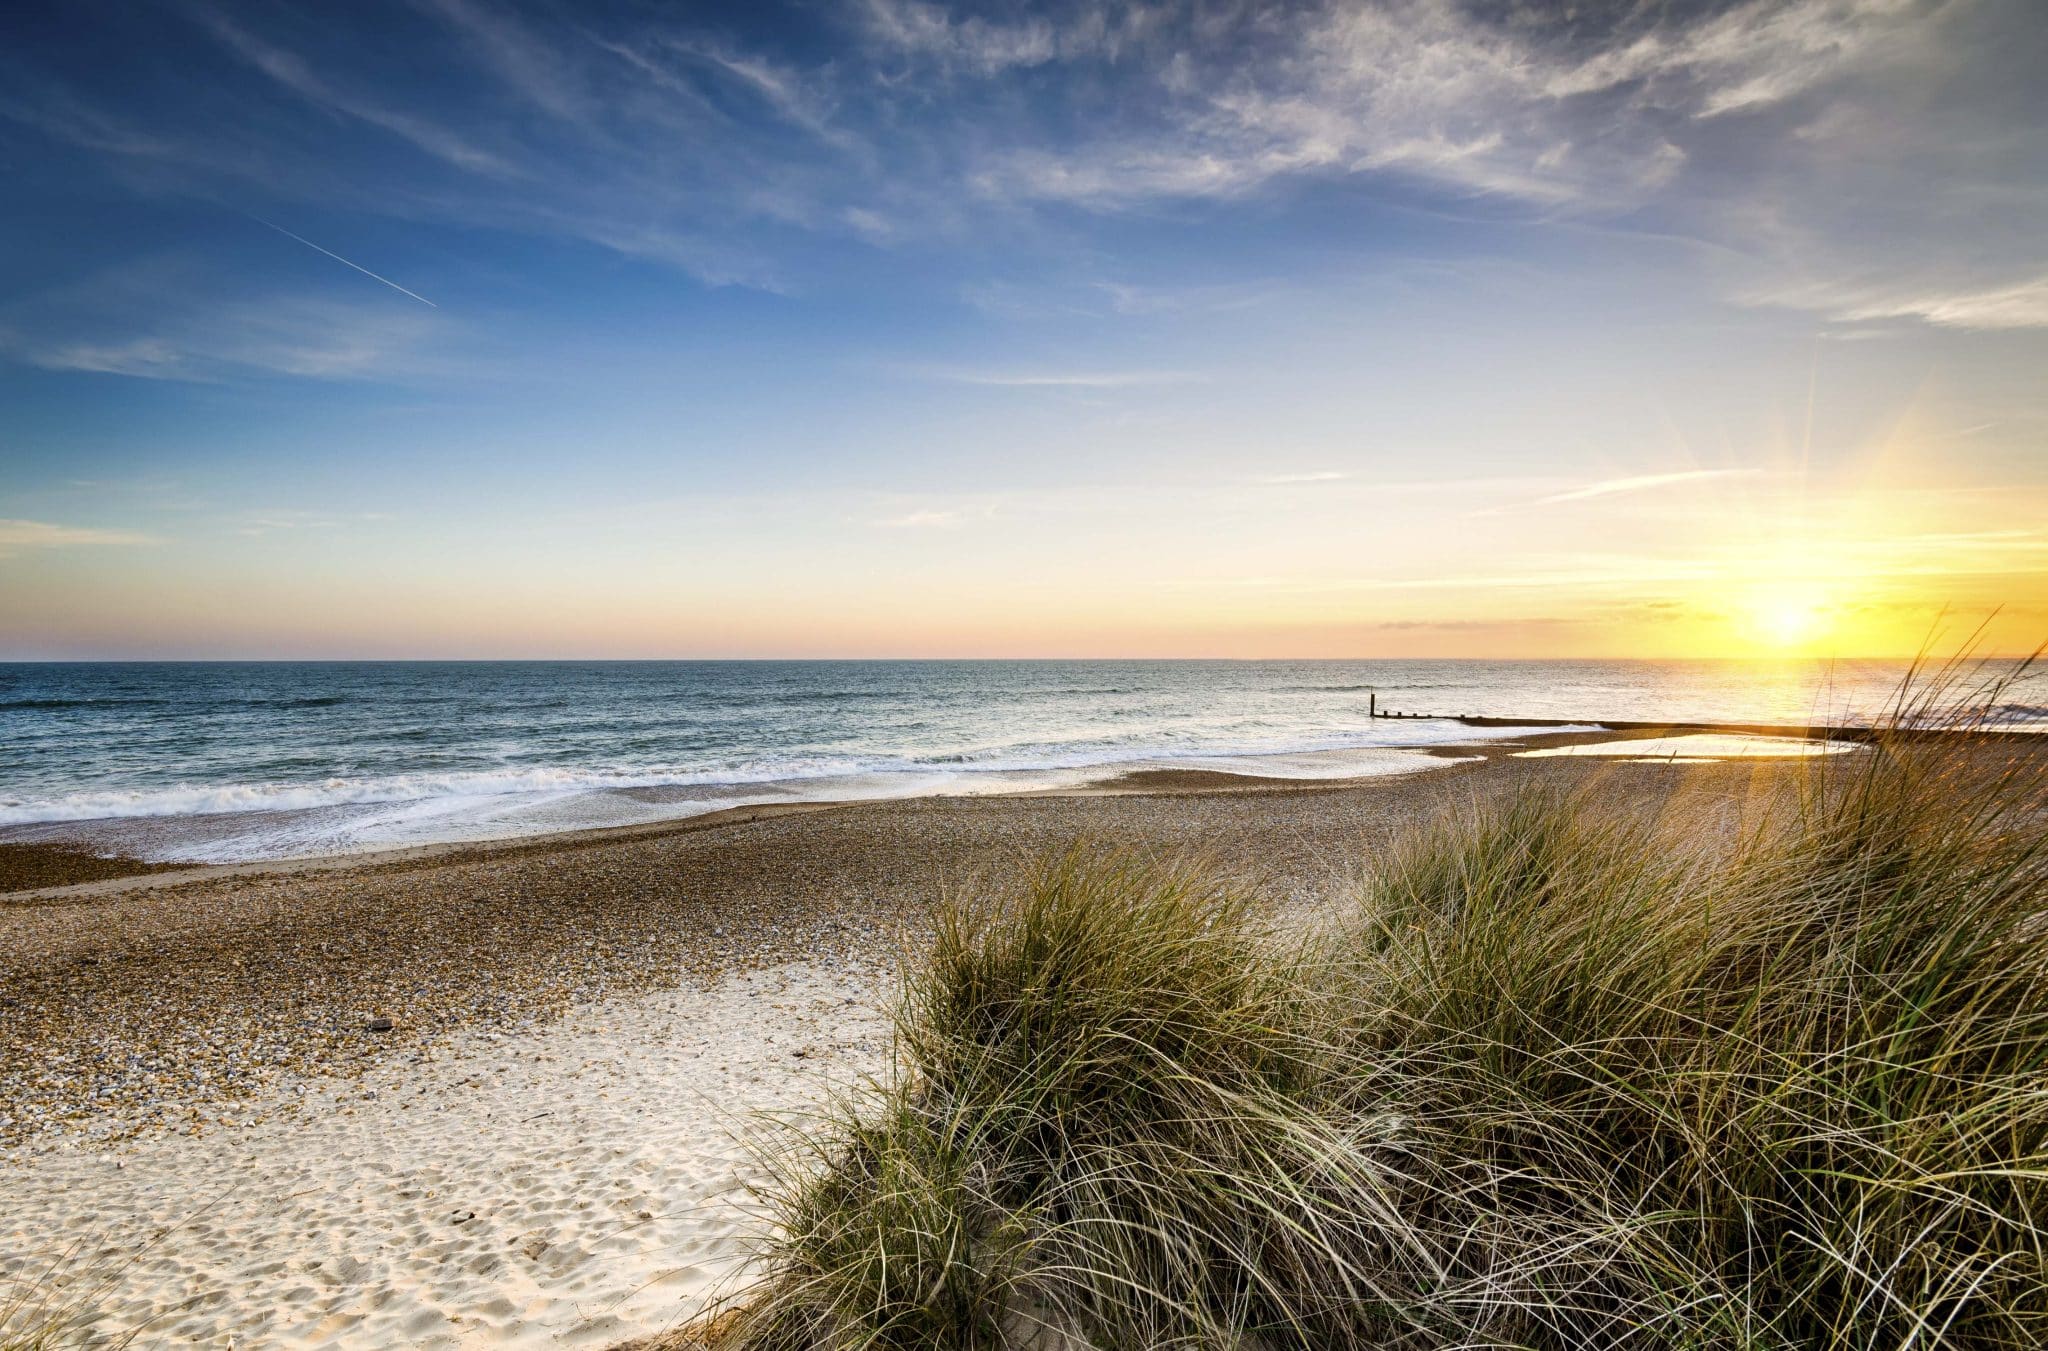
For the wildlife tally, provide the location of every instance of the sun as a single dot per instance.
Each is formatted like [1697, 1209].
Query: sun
[1789, 617]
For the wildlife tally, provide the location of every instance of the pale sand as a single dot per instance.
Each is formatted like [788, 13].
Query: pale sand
[571, 1185]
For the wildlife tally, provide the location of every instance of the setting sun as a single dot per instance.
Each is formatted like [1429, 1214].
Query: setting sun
[1790, 617]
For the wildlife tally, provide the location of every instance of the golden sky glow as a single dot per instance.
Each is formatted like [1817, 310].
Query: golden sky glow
[1763, 563]
[948, 329]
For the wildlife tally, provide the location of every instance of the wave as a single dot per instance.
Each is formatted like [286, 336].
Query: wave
[1383, 687]
[187, 799]
[894, 696]
[55, 703]
[214, 799]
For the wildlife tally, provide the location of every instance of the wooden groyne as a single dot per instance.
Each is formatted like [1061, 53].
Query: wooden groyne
[1666, 727]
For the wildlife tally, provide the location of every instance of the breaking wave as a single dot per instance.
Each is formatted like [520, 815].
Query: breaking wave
[215, 799]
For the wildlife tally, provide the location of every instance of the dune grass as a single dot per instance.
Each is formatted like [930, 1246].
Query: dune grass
[60, 1304]
[1557, 1080]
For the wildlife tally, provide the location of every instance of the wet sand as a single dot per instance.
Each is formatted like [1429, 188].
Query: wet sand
[35, 867]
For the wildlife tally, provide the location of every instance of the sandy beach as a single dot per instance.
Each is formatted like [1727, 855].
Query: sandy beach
[567, 1184]
[210, 1131]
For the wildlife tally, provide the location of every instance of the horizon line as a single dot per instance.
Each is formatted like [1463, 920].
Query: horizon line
[1920, 656]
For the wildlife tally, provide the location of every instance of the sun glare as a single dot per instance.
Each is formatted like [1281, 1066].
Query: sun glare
[1785, 618]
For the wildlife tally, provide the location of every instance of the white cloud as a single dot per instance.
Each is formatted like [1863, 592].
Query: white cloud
[1638, 483]
[1813, 143]
[1425, 88]
[17, 537]
[187, 334]
[292, 72]
[1283, 480]
[783, 89]
[518, 56]
[706, 258]
[2020, 304]
[930, 30]
[275, 520]
[151, 358]
[1060, 379]
[924, 520]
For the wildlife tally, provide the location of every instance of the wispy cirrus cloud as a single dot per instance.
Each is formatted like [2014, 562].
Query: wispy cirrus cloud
[966, 41]
[163, 319]
[1959, 303]
[1775, 128]
[1590, 111]
[1810, 141]
[1313, 476]
[277, 520]
[19, 537]
[290, 337]
[924, 520]
[497, 38]
[1641, 483]
[298, 75]
[1060, 379]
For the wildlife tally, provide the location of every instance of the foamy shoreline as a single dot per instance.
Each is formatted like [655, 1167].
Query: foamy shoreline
[247, 823]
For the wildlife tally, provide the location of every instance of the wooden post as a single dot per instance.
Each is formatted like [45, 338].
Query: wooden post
[1372, 704]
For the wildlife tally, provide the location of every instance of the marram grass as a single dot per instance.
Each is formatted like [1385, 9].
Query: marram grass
[1557, 1081]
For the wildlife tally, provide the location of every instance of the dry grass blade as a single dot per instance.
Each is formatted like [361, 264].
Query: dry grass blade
[1558, 1082]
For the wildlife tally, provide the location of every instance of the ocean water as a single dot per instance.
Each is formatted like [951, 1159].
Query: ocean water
[238, 760]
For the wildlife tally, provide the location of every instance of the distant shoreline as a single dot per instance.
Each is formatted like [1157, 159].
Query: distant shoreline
[61, 860]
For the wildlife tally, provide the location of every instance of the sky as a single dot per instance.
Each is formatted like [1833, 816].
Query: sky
[473, 328]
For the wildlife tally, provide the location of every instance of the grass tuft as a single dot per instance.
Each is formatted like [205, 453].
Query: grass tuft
[1558, 1080]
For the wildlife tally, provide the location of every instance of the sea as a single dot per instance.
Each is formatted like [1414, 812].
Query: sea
[221, 761]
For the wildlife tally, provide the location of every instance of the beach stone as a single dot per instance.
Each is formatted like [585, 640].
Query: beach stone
[377, 1025]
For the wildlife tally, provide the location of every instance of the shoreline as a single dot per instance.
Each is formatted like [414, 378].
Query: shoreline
[68, 867]
[299, 955]
[144, 875]
[140, 1003]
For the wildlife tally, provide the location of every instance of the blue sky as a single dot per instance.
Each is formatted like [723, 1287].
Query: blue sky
[464, 327]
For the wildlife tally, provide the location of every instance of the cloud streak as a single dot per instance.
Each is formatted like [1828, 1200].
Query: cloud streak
[18, 537]
[346, 263]
[294, 73]
[174, 324]
[1806, 146]
[1060, 379]
[1290, 480]
[1640, 483]
[924, 520]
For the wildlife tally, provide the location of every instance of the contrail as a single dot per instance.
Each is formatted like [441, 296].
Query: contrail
[339, 259]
